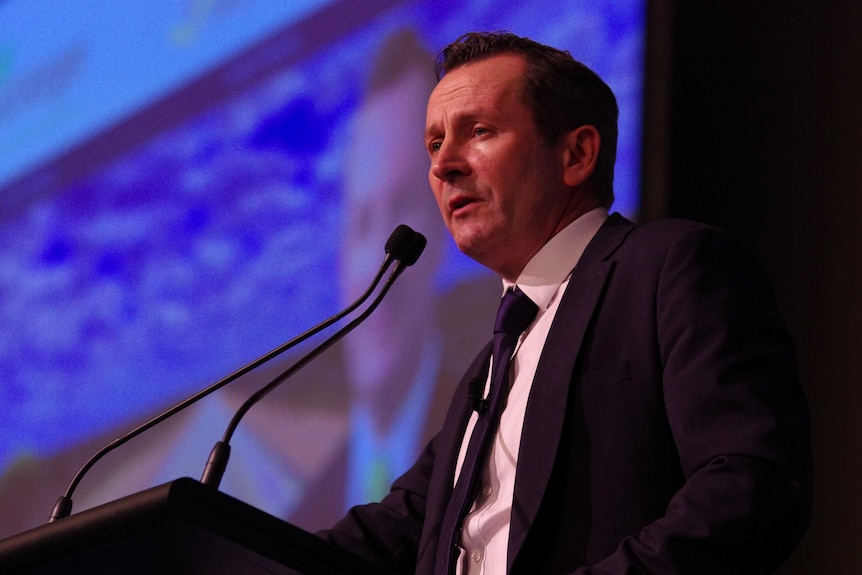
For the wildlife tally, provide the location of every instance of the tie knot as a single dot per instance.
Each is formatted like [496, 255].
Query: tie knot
[516, 312]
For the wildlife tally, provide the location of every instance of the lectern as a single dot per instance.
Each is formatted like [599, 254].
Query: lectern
[176, 528]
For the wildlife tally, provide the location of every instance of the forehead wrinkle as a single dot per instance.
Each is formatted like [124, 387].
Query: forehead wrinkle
[474, 93]
[466, 109]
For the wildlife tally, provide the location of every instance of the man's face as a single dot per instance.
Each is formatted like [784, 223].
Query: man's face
[497, 183]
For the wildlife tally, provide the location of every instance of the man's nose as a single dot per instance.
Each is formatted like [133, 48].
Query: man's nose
[449, 162]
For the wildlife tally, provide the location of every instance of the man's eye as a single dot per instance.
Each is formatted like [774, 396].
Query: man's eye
[481, 131]
[434, 146]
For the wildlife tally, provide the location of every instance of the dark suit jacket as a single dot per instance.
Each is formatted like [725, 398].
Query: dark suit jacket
[666, 431]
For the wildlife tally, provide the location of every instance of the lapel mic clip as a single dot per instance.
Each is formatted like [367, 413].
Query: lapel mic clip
[475, 387]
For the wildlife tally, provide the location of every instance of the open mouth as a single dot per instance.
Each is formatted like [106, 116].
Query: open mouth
[459, 202]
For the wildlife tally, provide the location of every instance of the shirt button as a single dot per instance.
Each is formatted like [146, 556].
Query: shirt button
[488, 490]
[475, 556]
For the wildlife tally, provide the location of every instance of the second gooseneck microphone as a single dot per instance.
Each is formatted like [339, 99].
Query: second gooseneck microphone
[405, 246]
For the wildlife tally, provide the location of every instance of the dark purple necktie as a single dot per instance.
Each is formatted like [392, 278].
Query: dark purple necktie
[516, 312]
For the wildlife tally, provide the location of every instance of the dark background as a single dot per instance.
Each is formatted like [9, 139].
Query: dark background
[756, 115]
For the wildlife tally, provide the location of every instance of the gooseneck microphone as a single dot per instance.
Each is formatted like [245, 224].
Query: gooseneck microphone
[403, 246]
[412, 245]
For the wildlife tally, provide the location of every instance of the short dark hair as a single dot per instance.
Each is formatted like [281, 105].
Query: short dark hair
[563, 93]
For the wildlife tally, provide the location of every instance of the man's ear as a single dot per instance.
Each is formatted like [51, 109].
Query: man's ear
[580, 153]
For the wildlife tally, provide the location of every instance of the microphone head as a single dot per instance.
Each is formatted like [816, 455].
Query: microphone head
[405, 244]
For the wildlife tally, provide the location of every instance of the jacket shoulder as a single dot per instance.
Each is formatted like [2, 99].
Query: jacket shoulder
[620, 237]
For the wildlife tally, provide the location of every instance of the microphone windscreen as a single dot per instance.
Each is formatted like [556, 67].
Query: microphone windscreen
[399, 242]
[415, 250]
[405, 244]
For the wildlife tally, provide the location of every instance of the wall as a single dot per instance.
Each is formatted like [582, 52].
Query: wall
[765, 112]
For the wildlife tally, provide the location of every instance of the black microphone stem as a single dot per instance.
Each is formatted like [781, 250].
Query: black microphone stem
[63, 507]
[218, 459]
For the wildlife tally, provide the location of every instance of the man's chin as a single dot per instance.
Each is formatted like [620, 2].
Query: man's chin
[475, 248]
[468, 239]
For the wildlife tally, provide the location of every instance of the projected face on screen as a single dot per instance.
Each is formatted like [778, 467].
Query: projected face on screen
[386, 182]
[239, 191]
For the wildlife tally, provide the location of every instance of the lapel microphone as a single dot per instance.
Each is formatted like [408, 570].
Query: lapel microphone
[475, 389]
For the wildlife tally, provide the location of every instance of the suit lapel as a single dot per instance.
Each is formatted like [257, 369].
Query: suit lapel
[442, 480]
[547, 405]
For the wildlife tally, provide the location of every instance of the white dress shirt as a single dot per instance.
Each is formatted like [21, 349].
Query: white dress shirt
[485, 533]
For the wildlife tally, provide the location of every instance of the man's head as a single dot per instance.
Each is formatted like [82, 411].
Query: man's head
[511, 164]
[562, 93]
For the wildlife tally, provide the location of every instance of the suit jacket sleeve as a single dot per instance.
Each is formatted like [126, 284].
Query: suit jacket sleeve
[736, 414]
[388, 533]
[395, 532]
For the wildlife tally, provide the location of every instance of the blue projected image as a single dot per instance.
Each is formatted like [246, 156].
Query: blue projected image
[59, 72]
[149, 259]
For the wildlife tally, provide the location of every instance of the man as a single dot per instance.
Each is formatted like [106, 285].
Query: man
[654, 422]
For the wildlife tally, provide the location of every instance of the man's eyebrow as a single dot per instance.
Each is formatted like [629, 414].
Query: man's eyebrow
[467, 117]
[432, 131]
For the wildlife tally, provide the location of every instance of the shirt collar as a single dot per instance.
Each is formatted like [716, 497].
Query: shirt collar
[552, 264]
